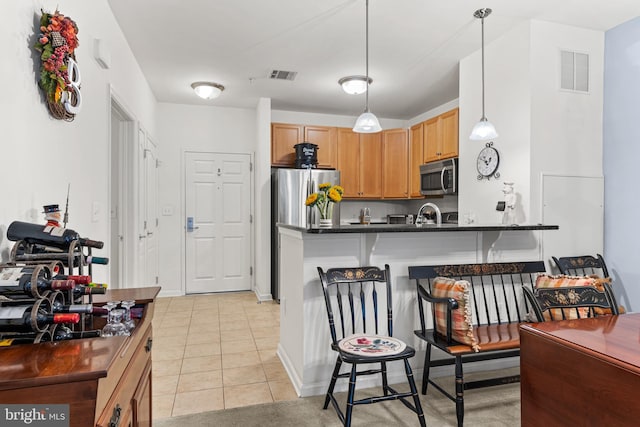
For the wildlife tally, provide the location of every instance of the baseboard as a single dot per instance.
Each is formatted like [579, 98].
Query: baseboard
[261, 296]
[296, 381]
[170, 293]
[395, 375]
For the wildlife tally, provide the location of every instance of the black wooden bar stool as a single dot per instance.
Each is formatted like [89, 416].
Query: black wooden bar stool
[358, 300]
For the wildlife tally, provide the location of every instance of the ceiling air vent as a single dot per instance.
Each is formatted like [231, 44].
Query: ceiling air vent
[283, 75]
[574, 71]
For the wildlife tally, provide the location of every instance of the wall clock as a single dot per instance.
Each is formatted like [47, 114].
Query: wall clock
[488, 161]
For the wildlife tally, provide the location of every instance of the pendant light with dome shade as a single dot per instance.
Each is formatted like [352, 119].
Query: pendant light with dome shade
[367, 122]
[484, 129]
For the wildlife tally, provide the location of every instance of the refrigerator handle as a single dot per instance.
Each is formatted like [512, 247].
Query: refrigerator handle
[309, 212]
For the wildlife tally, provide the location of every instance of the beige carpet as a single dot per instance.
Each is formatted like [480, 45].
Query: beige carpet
[489, 407]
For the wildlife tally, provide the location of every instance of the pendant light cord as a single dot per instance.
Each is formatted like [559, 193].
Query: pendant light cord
[367, 55]
[484, 118]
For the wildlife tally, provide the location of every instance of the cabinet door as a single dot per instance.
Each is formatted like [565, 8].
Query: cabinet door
[142, 399]
[416, 158]
[371, 165]
[449, 134]
[283, 138]
[395, 160]
[326, 139]
[349, 162]
[431, 140]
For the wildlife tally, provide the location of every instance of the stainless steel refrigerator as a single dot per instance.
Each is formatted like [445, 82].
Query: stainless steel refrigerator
[289, 190]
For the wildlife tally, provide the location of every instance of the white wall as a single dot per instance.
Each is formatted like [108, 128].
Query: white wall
[262, 272]
[621, 154]
[566, 127]
[194, 128]
[508, 107]
[41, 155]
[447, 106]
[541, 129]
[280, 116]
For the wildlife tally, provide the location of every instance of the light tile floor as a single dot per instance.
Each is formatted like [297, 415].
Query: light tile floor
[216, 351]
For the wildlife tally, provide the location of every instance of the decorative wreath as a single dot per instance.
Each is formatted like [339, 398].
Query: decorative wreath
[57, 43]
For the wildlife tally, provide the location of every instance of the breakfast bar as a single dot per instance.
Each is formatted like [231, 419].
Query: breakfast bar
[304, 346]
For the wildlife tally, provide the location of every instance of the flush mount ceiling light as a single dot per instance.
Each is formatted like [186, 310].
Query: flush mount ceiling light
[207, 90]
[355, 85]
[367, 122]
[483, 130]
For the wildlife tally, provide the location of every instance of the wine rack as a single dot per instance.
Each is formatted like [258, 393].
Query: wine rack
[48, 253]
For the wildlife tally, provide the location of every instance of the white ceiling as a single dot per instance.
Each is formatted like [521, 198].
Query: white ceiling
[414, 47]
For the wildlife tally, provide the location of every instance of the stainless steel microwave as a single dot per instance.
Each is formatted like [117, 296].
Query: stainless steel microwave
[439, 178]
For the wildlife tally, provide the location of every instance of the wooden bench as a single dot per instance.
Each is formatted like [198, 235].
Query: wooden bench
[499, 306]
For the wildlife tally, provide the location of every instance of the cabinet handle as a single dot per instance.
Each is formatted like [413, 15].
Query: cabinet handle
[115, 418]
[147, 347]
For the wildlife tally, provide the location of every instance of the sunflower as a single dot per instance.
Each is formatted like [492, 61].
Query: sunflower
[326, 196]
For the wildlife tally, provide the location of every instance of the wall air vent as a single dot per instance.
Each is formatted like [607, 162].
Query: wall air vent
[574, 71]
[283, 75]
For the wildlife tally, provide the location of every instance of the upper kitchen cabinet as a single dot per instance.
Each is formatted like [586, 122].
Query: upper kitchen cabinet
[395, 161]
[283, 138]
[440, 136]
[360, 163]
[416, 158]
[326, 138]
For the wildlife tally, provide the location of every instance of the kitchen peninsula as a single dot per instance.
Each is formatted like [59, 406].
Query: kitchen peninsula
[305, 346]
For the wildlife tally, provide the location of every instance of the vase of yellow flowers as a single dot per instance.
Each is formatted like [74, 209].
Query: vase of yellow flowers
[324, 199]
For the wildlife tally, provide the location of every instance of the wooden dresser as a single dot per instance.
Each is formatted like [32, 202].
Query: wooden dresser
[581, 372]
[104, 380]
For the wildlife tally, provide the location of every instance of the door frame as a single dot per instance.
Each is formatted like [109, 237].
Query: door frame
[127, 190]
[183, 214]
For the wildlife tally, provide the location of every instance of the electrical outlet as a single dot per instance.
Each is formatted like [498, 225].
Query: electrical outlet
[167, 210]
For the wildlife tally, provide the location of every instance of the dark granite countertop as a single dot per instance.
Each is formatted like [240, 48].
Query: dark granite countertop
[411, 228]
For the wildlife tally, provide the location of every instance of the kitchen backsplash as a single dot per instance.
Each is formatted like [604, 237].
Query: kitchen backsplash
[350, 209]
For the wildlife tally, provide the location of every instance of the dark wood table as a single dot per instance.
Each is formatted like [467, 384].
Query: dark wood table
[583, 372]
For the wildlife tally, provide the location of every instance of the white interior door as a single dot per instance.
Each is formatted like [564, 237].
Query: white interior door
[116, 238]
[141, 211]
[147, 211]
[151, 232]
[218, 222]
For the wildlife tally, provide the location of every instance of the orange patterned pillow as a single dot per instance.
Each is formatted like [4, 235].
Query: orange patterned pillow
[461, 319]
[599, 286]
[561, 281]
